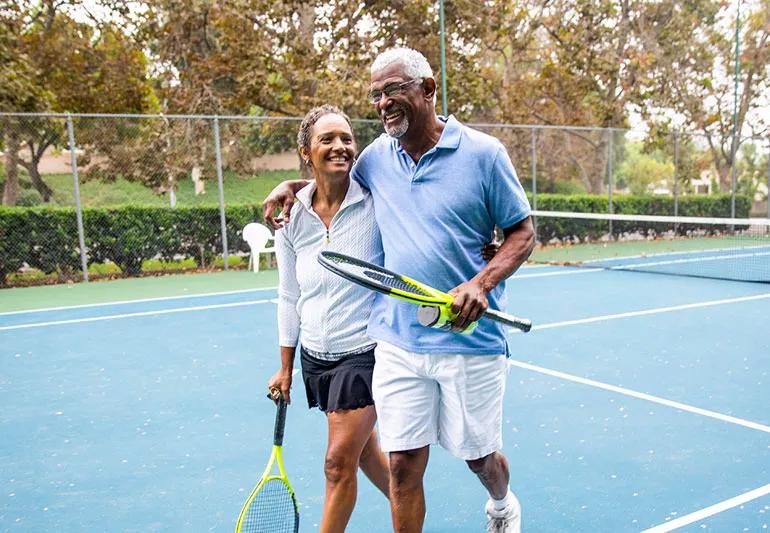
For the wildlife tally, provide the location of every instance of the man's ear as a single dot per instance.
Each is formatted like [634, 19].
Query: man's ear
[429, 87]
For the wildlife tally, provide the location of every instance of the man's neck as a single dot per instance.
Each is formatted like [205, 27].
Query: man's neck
[423, 140]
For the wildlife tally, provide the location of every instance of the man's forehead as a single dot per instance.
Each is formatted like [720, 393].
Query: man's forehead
[395, 72]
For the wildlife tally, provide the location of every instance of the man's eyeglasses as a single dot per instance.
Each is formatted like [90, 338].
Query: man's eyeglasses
[393, 89]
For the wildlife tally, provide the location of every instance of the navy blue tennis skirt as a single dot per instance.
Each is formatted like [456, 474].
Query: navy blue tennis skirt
[338, 385]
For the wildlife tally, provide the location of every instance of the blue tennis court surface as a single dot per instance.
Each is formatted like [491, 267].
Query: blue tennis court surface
[638, 402]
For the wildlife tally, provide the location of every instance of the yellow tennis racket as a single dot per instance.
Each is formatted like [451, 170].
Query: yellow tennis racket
[272, 505]
[434, 305]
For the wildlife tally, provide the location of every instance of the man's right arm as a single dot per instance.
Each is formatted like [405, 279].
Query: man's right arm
[282, 196]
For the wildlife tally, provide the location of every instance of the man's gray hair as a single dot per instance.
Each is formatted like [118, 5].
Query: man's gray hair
[415, 64]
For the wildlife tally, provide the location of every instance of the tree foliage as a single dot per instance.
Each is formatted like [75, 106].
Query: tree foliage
[553, 62]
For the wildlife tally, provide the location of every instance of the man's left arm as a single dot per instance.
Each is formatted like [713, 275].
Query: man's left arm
[470, 298]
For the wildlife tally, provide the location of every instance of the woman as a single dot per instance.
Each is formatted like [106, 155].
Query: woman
[328, 314]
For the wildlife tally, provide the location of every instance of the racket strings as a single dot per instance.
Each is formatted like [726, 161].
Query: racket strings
[272, 510]
[394, 282]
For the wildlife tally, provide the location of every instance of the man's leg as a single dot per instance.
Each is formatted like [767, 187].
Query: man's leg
[492, 471]
[407, 498]
[472, 390]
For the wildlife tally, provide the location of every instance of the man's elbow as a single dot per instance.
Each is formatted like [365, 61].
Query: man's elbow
[524, 233]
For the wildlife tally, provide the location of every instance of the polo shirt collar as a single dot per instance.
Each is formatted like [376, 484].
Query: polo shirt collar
[355, 194]
[450, 137]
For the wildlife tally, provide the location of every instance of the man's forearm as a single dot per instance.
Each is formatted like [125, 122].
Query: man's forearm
[297, 185]
[514, 251]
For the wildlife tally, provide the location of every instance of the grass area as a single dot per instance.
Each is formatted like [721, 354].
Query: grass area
[237, 190]
[150, 267]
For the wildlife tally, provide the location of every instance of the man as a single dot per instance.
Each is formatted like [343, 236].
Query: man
[439, 189]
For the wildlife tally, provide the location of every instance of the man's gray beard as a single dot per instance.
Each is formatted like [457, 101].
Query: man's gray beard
[398, 131]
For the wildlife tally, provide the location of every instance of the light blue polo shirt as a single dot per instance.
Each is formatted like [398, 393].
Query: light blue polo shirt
[434, 217]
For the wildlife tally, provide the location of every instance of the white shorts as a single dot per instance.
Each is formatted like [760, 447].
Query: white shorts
[453, 400]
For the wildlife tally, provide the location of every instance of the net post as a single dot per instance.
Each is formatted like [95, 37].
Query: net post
[533, 165]
[220, 186]
[76, 194]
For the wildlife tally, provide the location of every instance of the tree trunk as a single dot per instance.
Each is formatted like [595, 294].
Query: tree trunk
[11, 185]
[37, 180]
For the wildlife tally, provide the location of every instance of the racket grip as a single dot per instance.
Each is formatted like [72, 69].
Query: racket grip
[522, 324]
[280, 421]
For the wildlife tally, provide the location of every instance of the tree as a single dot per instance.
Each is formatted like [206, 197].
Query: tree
[18, 92]
[82, 68]
[695, 81]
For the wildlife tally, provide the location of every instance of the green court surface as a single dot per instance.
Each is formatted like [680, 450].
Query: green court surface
[20, 299]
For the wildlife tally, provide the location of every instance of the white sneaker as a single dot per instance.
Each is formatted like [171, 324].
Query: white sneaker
[506, 521]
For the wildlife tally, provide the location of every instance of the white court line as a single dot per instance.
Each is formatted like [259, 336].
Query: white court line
[569, 272]
[651, 311]
[131, 315]
[689, 260]
[141, 300]
[642, 396]
[710, 511]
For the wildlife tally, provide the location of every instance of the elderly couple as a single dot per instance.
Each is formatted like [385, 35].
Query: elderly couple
[423, 200]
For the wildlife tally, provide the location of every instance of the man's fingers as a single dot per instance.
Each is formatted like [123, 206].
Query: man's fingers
[286, 210]
[458, 301]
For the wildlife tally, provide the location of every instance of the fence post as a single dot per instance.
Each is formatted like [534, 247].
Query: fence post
[734, 187]
[609, 175]
[76, 194]
[220, 185]
[533, 165]
[768, 178]
[676, 173]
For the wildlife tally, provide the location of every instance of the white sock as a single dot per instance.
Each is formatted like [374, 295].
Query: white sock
[507, 500]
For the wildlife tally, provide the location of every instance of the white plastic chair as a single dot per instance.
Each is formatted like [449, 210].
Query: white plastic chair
[257, 235]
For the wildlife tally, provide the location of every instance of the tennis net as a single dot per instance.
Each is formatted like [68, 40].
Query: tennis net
[721, 248]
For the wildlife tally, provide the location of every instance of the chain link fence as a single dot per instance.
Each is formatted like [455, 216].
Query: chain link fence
[121, 195]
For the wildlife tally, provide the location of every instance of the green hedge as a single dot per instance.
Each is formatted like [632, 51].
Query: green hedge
[47, 239]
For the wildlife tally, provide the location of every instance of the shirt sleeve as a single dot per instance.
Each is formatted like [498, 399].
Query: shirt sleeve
[288, 290]
[507, 200]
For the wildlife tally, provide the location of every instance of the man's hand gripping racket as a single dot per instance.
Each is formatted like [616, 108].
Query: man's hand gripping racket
[435, 306]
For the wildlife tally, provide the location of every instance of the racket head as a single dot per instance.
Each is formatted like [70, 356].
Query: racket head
[382, 280]
[272, 508]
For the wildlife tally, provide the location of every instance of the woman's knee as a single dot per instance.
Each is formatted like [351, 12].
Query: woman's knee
[338, 466]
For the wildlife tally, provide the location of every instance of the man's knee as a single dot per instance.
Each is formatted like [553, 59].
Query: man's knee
[406, 468]
[483, 464]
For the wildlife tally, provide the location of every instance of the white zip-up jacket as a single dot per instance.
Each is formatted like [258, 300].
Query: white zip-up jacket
[323, 311]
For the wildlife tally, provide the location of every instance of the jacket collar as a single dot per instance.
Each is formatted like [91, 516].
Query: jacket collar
[354, 195]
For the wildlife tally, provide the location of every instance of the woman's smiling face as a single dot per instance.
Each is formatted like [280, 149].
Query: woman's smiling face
[332, 146]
